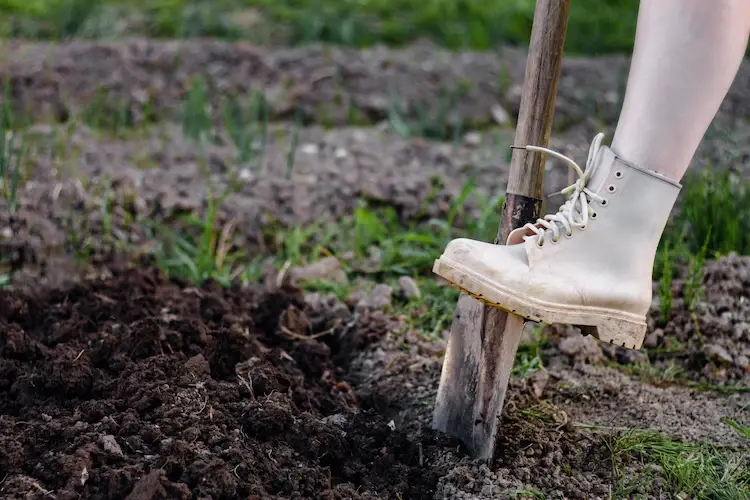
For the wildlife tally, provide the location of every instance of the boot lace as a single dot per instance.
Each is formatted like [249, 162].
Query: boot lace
[576, 211]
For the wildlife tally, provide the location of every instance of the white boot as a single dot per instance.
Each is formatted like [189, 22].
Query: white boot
[590, 264]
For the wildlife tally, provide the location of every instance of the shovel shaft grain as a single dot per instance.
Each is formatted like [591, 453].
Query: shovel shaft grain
[483, 340]
[523, 199]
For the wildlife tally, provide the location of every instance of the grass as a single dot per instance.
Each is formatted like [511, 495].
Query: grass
[673, 374]
[683, 470]
[595, 26]
[12, 150]
[743, 430]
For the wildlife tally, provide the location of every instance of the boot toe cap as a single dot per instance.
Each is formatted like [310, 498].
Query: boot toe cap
[486, 259]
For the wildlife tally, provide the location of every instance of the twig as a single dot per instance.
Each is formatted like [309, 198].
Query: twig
[223, 247]
[79, 355]
[247, 384]
[205, 402]
[38, 487]
[286, 331]
[282, 274]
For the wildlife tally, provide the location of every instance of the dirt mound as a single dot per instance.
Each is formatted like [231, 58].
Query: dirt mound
[712, 339]
[140, 387]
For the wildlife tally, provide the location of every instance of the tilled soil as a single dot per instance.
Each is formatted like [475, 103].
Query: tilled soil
[146, 79]
[154, 389]
[135, 386]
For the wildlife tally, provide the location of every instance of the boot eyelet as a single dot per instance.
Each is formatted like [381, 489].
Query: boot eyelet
[594, 215]
[569, 235]
[603, 203]
[555, 241]
[611, 188]
[583, 228]
[539, 244]
[618, 174]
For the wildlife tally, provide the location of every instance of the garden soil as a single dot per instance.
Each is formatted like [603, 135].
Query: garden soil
[116, 382]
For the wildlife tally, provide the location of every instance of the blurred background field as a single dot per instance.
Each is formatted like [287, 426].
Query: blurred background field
[596, 26]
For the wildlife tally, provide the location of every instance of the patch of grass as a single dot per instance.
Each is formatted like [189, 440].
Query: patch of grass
[665, 286]
[528, 494]
[432, 121]
[202, 257]
[432, 312]
[196, 111]
[743, 430]
[709, 214]
[529, 355]
[12, 150]
[682, 469]
[673, 374]
[246, 125]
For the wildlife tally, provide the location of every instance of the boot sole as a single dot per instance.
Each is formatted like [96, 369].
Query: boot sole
[608, 325]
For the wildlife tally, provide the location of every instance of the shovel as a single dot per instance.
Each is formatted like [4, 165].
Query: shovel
[483, 339]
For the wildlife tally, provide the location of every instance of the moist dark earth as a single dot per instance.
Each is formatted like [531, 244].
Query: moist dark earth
[155, 389]
[118, 382]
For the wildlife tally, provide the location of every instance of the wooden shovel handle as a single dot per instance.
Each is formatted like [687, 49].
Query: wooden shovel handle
[523, 200]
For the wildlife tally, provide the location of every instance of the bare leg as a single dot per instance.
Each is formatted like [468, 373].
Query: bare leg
[687, 52]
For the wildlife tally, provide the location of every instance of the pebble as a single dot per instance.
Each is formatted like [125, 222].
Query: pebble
[378, 298]
[742, 362]
[583, 348]
[110, 446]
[717, 353]
[197, 365]
[653, 338]
[473, 139]
[408, 288]
[499, 114]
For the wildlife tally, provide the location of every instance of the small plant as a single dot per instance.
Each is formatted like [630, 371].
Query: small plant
[202, 258]
[529, 355]
[710, 214]
[12, 150]
[291, 155]
[244, 127]
[196, 111]
[694, 291]
[665, 287]
[743, 430]
[433, 121]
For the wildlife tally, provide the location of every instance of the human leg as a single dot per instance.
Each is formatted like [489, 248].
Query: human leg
[687, 52]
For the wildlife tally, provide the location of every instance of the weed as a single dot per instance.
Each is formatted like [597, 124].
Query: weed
[291, 155]
[196, 111]
[104, 112]
[434, 121]
[743, 430]
[528, 493]
[432, 312]
[11, 155]
[245, 126]
[687, 470]
[709, 212]
[529, 355]
[665, 287]
[205, 257]
[674, 374]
